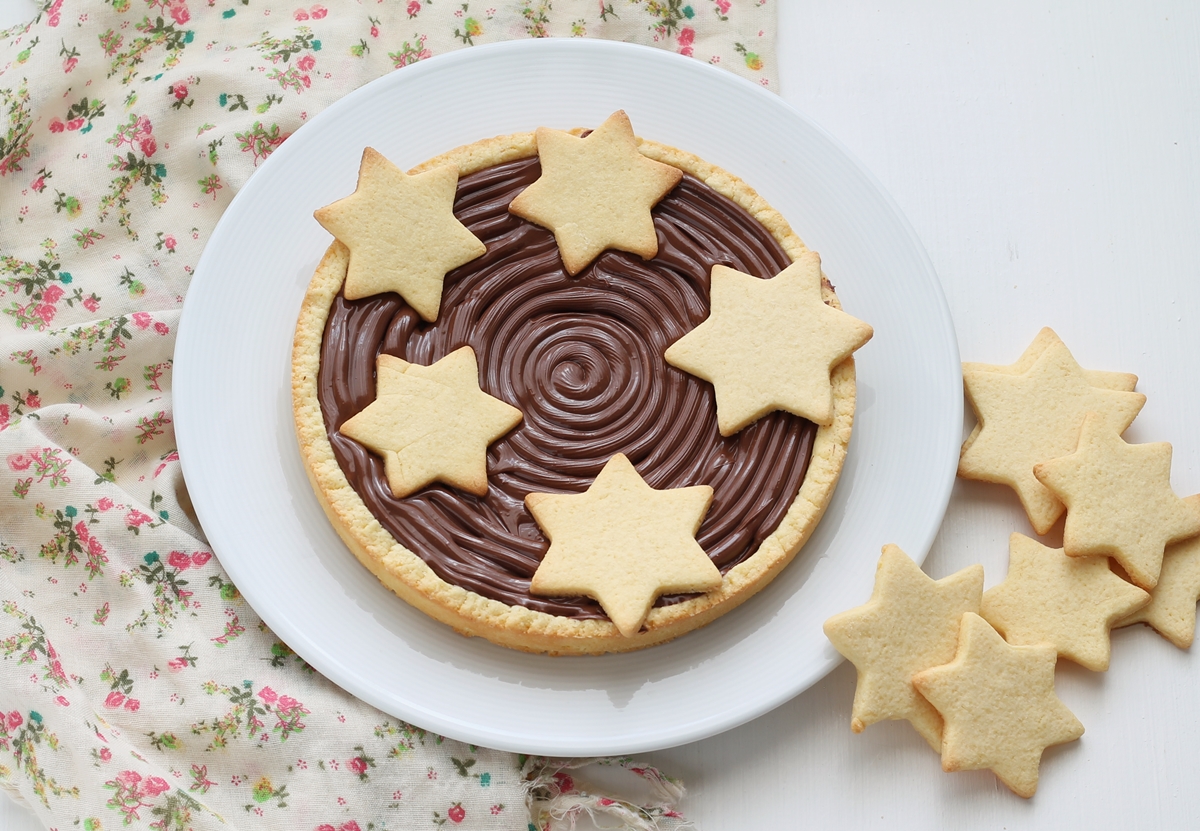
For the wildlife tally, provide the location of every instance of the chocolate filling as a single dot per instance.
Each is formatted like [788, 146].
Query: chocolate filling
[582, 359]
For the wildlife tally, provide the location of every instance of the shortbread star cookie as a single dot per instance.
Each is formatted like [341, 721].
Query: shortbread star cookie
[910, 623]
[1067, 602]
[1123, 381]
[1172, 607]
[596, 192]
[432, 423]
[623, 543]
[1032, 416]
[1120, 381]
[999, 706]
[1119, 500]
[769, 345]
[401, 232]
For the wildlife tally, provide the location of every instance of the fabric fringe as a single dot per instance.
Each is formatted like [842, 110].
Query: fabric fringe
[556, 804]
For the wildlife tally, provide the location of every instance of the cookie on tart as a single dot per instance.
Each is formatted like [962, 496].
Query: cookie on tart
[580, 356]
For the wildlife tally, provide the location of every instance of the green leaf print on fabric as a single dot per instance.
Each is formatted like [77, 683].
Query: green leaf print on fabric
[153, 35]
[14, 145]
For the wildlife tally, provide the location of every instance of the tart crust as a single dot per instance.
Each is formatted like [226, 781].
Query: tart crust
[517, 627]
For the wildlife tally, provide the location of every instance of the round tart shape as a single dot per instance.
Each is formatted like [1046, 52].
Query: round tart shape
[564, 349]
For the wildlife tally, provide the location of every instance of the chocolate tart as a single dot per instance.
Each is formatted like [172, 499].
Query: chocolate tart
[582, 358]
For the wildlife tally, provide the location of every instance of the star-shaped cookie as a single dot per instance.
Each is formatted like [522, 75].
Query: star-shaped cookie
[401, 232]
[1046, 338]
[596, 192]
[999, 706]
[623, 543]
[432, 423]
[769, 345]
[1067, 602]
[910, 624]
[1031, 416]
[1121, 381]
[1172, 607]
[1119, 500]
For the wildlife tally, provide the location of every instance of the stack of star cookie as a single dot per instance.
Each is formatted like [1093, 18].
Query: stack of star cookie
[974, 671]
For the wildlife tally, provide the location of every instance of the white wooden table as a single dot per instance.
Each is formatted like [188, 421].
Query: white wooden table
[1048, 155]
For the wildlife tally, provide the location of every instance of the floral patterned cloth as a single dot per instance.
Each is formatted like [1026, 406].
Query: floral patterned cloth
[137, 688]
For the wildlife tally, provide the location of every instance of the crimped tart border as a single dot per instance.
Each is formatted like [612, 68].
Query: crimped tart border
[517, 627]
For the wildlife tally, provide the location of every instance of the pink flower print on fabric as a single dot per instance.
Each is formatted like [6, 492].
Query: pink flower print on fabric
[315, 13]
[96, 552]
[132, 791]
[139, 133]
[155, 785]
[129, 779]
[179, 12]
[687, 37]
[136, 518]
[57, 125]
[57, 673]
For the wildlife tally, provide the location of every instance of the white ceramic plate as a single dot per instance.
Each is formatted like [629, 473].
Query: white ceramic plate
[238, 447]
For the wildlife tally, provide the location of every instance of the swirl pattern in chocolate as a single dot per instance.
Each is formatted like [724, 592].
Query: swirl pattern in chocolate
[582, 358]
